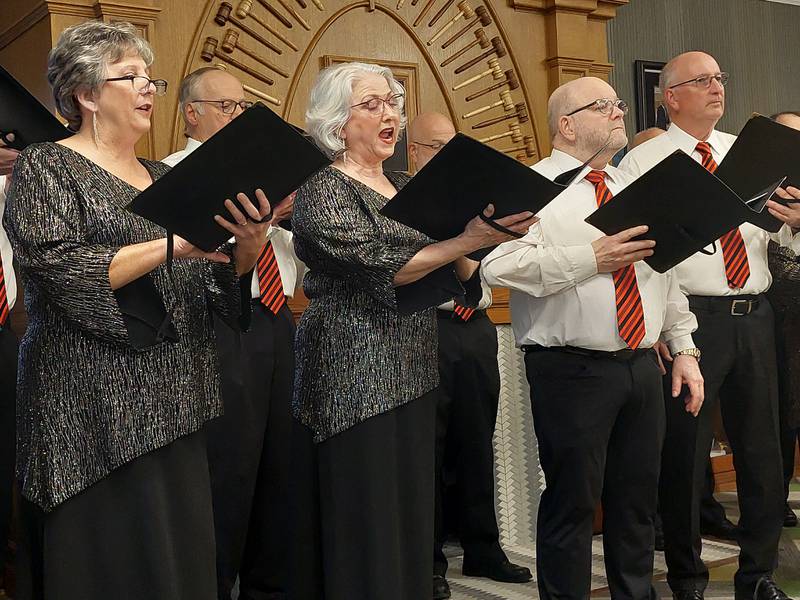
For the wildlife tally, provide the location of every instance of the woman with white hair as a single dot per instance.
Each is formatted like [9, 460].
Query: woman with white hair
[111, 461]
[366, 374]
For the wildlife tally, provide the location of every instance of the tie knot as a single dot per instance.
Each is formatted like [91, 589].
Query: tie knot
[596, 177]
[704, 149]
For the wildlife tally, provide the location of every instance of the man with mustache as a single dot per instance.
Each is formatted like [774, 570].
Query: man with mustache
[735, 333]
[587, 311]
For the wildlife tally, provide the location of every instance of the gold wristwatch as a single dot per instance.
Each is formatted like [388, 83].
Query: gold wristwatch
[689, 352]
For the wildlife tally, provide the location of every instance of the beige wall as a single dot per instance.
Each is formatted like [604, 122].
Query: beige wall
[755, 41]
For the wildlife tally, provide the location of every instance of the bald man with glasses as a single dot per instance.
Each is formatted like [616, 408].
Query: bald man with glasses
[587, 311]
[735, 334]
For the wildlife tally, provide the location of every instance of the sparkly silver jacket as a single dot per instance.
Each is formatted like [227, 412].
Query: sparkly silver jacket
[356, 356]
[87, 400]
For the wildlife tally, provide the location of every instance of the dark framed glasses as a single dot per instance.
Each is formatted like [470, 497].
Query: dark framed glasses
[605, 106]
[704, 81]
[228, 106]
[142, 83]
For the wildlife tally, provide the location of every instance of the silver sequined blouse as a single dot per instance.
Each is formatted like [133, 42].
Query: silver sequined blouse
[356, 356]
[87, 401]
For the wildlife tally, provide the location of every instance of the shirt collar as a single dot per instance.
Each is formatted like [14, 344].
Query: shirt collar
[566, 162]
[687, 143]
[191, 145]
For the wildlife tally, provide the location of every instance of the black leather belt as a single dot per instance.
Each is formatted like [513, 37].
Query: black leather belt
[624, 354]
[736, 306]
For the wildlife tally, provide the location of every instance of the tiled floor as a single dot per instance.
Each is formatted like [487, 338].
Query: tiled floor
[722, 556]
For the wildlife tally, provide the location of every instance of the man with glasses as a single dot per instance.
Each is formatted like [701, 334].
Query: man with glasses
[469, 392]
[248, 447]
[587, 311]
[726, 292]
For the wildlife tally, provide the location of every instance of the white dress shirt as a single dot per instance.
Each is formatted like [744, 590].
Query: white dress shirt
[701, 274]
[291, 268]
[6, 253]
[485, 301]
[557, 296]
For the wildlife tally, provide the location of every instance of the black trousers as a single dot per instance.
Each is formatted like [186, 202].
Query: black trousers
[469, 392]
[789, 433]
[789, 439]
[8, 395]
[249, 455]
[145, 531]
[711, 511]
[362, 508]
[738, 366]
[599, 423]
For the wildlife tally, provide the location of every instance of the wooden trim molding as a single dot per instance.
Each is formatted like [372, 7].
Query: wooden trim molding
[39, 12]
[120, 11]
[599, 9]
[601, 70]
[499, 312]
[565, 68]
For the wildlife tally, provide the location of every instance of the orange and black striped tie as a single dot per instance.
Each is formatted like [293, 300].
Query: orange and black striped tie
[3, 298]
[630, 312]
[734, 252]
[270, 285]
[463, 312]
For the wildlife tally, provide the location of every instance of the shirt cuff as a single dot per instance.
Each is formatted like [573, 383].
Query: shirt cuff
[582, 262]
[680, 343]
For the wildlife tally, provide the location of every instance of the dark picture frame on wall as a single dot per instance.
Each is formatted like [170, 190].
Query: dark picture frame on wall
[650, 110]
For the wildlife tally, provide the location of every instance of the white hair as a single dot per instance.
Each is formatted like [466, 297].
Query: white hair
[331, 98]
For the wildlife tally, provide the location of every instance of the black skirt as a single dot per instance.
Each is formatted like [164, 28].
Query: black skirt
[363, 508]
[144, 532]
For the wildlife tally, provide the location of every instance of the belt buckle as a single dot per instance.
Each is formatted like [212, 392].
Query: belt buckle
[735, 303]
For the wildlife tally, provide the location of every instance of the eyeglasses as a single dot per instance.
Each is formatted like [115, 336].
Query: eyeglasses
[229, 106]
[434, 146]
[376, 106]
[605, 106]
[704, 81]
[142, 84]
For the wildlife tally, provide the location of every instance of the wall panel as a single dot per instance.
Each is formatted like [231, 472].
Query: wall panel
[753, 40]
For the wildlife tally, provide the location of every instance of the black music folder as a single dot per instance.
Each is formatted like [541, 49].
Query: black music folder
[764, 152]
[256, 150]
[437, 287]
[686, 208]
[458, 183]
[25, 117]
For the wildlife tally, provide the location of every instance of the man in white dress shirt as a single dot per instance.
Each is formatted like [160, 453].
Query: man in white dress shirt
[466, 412]
[8, 363]
[725, 291]
[249, 446]
[587, 311]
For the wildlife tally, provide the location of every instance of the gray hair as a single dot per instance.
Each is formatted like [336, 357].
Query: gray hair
[667, 76]
[329, 105]
[558, 105]
[188, 89]
[80, 58]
